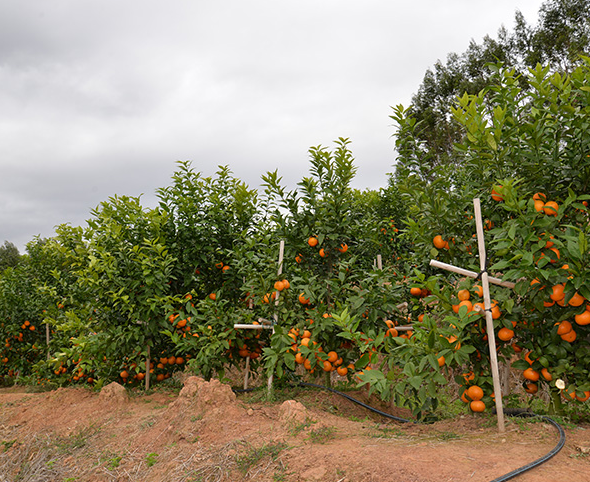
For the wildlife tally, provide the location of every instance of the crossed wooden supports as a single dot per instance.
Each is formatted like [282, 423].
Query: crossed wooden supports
[485, 280]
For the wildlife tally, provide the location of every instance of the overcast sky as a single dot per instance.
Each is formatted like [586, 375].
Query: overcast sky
[99, 98]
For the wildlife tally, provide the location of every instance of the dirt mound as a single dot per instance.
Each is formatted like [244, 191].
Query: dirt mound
[206, 433]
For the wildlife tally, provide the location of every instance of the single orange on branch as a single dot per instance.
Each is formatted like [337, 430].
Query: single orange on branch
[439, 242]
[474, 392]
[551, 208]
[312, 241]
[415, 291]
[496, 196]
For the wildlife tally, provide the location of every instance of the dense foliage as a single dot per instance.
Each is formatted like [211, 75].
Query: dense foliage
[342, 276]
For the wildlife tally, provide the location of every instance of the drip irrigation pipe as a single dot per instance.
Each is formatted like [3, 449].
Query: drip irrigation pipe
[516, 413]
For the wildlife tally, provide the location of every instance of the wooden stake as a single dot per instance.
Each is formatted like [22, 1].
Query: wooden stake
[147, 369]
[379, 262]
[247, 373]
[276, 314]
[470, 274]
[489, 320]
[47, 339]
[485, 282]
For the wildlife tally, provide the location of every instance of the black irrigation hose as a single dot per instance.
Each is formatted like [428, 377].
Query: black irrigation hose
[358, 402]
[540, 460]
[516, 413]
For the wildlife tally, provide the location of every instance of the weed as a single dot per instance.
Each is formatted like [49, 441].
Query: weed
[446, 436]
[297, 428]
[111, 460]
[196, 418]
[148, 422]
[6, 444]
[151, 459]
[321, 435]
[385, 432]
[255, 455]
[77, 440]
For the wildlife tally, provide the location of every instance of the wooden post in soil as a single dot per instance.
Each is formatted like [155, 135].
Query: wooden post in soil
[147, 369]
[276, 314]
[47, 339]
[264, 324]
[485, 282]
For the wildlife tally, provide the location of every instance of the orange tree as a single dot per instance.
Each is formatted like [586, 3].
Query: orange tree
[123, 269]
[22, 309]
[208, 218]
[224, 271]
[329, 248]
[525, 155]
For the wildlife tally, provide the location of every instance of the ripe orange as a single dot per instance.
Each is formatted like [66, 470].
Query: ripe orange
[539, 196]
[540, 206]
[583, 318]
[303, 300]
[286, 284]
[584, 398]
[463, 295]
[557, 292]
[564, 327]
[441, 361]
[496, 196]
[343, 248]
[546, 375]
[505, 334]
[416, 291]
[225, 268]
[279, 285]
[474, 392]
[332, 356]
[299, 358]
[213, 296]
[576, 300]
[305, 342]
[342, 371]
[530, 374]
[124, 374]
[477, 406]
[327, 366]
[570, 336]
[551, 208]
[323, 253]
[439, 242]
[312, 241]
[391, 332]
[531, 388]
[478, 290]
[468, 304]
[219, 265]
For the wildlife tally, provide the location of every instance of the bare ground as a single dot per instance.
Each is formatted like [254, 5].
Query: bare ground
[206, 433]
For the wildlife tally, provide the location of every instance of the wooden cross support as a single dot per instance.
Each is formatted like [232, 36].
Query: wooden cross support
[264, 324]
[485, 281]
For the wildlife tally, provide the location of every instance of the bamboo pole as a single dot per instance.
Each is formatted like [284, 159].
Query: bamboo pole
[47, 339]
[470, 274]
[147, 369]
[246, 373]
[489, 320]
[276, 314]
